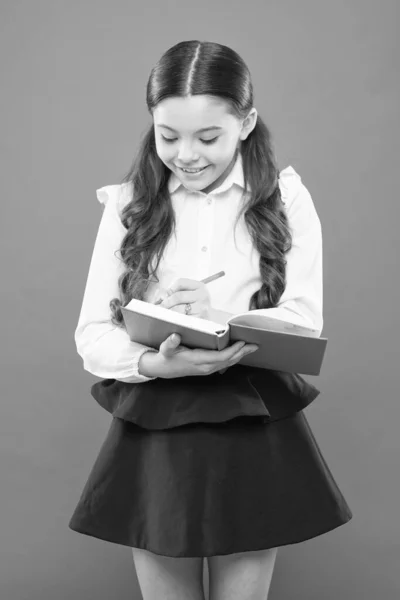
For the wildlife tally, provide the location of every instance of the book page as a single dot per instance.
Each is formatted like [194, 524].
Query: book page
[171, 316]
[264, 321]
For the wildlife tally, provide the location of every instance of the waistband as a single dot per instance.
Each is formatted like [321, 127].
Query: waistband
[241, 391]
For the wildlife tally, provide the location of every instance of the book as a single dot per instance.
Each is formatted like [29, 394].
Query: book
[282, 346]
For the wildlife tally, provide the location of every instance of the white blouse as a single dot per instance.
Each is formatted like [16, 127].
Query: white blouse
[203, 244]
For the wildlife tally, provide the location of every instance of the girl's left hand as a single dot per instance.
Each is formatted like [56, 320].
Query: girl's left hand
[188, 291]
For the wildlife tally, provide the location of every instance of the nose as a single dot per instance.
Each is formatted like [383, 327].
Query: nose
[186, 154]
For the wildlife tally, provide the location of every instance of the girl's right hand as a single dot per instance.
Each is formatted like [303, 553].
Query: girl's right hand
[173, 360]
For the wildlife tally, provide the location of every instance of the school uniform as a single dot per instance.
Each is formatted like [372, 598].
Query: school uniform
[217, 464]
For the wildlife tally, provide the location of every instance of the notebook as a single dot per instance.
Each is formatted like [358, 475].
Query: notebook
[283, 346]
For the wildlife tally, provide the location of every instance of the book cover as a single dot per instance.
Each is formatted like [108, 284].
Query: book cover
[283, 346]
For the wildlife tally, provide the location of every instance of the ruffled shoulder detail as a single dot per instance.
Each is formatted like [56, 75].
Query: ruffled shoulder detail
[120, 194]
[289, 183]
[107, 192]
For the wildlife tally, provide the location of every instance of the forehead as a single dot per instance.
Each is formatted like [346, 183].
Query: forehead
[191, 113]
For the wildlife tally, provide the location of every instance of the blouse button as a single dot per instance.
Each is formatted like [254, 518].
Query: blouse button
[209, 200]
[204, 249]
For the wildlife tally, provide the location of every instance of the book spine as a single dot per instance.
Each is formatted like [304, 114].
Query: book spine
[223, 341]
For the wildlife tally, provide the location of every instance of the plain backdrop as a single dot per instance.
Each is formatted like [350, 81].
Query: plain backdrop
[72, 109]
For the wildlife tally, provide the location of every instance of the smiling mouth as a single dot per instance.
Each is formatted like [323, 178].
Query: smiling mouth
[193, 170]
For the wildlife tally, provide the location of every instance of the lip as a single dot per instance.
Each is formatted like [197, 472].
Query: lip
[194, 174]
[203, 167]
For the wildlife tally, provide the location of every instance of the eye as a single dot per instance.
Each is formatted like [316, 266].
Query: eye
[171, 140]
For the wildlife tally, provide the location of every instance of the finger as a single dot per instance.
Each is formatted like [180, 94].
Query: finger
[244, 351]
[160, 295]
[221, 356]
[239, 353]
[228, 353]
[196, 311]
[247, 349]
[169, 346]
[176, 298]
[184, 283]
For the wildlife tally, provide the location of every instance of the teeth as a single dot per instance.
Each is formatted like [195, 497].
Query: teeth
[192, 171]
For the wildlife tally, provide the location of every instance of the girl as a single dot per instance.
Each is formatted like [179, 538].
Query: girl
[204, 457]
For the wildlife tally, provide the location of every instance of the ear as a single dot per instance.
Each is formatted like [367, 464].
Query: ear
[248, 124]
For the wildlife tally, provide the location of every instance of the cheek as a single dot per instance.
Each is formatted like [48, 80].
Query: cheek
[223, 152]
[218, 155]
[222, 157]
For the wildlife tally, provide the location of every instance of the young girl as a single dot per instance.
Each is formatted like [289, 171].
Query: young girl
[204, 457]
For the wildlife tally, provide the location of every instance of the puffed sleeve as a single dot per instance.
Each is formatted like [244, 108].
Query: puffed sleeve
[105, 348]
[302, 301]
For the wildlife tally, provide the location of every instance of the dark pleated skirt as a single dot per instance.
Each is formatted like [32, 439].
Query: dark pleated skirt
[205, 466]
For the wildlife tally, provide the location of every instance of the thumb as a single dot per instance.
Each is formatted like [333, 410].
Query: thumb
[169, 345]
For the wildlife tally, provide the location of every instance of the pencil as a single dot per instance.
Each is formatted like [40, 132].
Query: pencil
[212, 277]
[206, 280]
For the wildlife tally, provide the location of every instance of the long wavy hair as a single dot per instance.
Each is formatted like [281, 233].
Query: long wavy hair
[191, 68]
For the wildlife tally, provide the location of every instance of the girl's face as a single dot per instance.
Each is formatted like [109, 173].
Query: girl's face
[198, 133]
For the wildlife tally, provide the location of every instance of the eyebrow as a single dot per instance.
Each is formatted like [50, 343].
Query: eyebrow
[198, 131]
